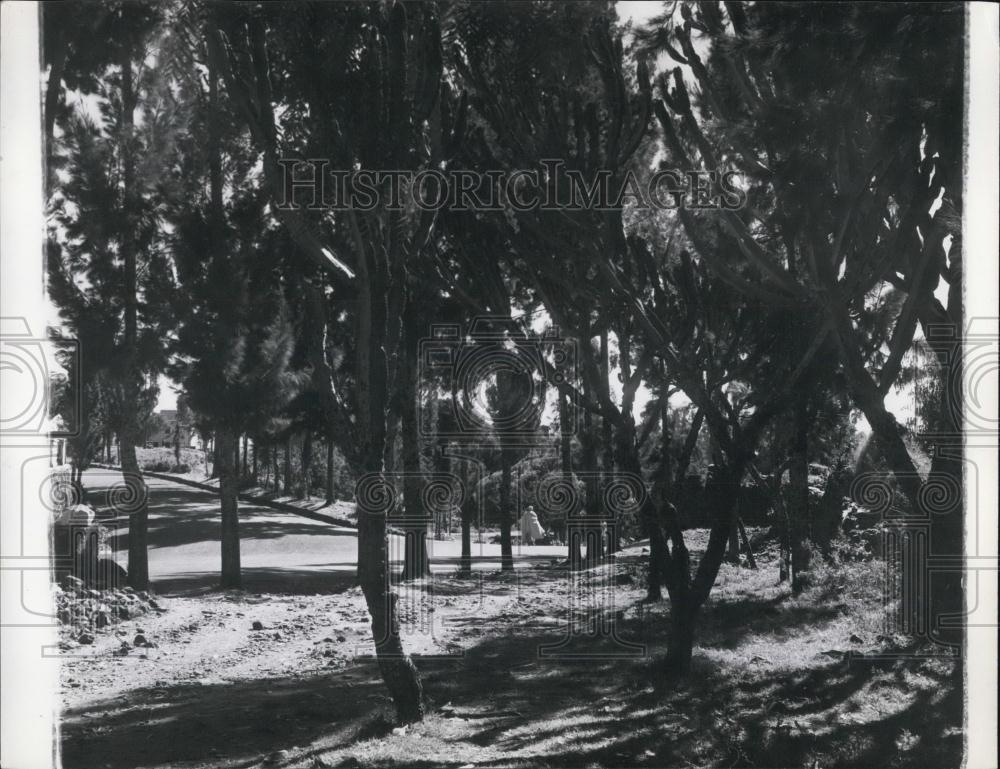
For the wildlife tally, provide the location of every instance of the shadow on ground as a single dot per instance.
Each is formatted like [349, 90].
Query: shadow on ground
[500, 704]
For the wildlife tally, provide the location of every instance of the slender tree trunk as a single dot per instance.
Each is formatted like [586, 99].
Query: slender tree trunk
[574, 556]
[689, 593]
[506, 549]
[288, 465]
[307, 453]
[277, 468]
[330, 495]
[256, 465]
[465, 562]
[229, 494]
[246, 452]
[416, 561]
[798, 476]
[398, 671]
[591, 535]
[608, 455]
[745, 541]
[138, 510]
[215, 456]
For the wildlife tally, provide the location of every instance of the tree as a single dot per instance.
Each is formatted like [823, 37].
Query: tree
[112, 174]
[235, 340]
[400, 69]
[851, 153]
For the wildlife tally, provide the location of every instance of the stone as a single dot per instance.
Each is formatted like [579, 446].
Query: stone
[85, 638]
[102, 619]
[257, 625]
[140, 640]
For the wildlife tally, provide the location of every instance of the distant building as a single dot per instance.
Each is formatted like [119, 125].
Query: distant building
[163, 431]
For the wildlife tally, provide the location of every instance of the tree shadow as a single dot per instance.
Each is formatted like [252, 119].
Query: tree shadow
[324, 579]
[591, 703]
[233, 723]
[179, 517]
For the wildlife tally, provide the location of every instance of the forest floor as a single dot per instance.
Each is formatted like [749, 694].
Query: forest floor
[536, 668]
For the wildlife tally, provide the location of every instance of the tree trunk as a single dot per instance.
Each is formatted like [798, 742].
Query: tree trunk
[688, 594]
[798, 477]
[138, 509]
[288, 465]
[256, 465]
[228, 492]
[574, 556]
[465, 562]
[307, 453]
[330, 495]
[745, 541]
[590, 535]
[506, 549]
[608, 455]
[398, 671]
[416, 561]
[680, 641]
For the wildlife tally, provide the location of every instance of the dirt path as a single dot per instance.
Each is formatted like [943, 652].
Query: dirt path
[534, 668]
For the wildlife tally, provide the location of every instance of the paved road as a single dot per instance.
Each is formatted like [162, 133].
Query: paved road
[279, 551]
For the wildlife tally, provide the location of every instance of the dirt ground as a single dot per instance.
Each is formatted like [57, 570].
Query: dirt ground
[536, 668]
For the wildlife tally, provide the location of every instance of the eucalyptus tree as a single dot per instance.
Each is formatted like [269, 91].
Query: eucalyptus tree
[364, 89]
[850, 151]
[666, 310]
[234, 343]
[106, 194]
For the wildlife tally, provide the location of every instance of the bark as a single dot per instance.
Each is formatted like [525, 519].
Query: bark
[246, 449]
[397, 669]
[288, 465]
[465, 562]
[745, 542]
[306, 464]
[680, 641]
[330, 494]
[416, 561]
[228, 492]
[688, 595]
[607, 439]
[798, 476]
[138, 564]
[506, 550]
[591, 492]
[574, 556]
[659, 560]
